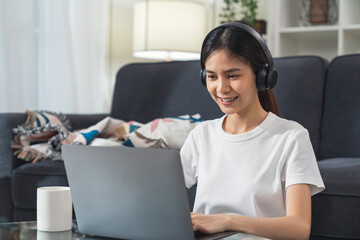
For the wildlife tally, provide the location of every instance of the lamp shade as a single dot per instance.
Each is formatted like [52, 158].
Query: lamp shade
[168, 29]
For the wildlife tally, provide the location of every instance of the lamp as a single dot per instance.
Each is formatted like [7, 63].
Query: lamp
[168, 29]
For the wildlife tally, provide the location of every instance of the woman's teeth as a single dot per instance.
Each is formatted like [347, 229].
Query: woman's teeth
[228, 99]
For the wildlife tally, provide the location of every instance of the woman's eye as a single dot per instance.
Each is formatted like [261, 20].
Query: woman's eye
[233, 76]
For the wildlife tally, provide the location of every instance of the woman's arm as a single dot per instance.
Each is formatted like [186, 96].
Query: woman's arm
[295, 225]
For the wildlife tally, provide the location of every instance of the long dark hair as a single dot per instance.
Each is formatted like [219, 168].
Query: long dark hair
[240, 44]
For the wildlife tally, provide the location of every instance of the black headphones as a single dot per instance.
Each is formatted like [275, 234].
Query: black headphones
[266, 76]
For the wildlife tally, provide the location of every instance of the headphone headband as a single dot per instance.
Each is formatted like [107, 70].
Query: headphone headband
[270, 74]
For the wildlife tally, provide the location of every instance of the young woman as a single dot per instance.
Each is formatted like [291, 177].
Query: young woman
[255, 172]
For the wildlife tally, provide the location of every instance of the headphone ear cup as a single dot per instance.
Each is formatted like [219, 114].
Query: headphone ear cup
[203, 77]
[271, 79]
[261, 77]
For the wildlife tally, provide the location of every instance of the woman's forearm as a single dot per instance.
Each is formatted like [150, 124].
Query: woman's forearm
[295, 225]
[274, 228]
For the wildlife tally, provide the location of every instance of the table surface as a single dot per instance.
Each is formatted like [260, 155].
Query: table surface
[28, 231]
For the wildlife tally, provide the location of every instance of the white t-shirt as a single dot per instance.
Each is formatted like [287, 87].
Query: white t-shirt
[248, 173]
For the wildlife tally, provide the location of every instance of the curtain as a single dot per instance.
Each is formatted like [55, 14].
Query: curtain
[57, 57]
[18, 89]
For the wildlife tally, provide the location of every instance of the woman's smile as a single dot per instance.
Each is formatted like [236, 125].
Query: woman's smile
[227, 100]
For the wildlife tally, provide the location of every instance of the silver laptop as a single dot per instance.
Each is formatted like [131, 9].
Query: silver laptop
[130, 193]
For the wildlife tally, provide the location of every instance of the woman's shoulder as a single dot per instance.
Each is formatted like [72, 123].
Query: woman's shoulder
[287, 126]
[208, 125]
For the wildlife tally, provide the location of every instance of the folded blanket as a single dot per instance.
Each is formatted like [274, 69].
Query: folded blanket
[163, 132]
[43, 134]
[40, 135]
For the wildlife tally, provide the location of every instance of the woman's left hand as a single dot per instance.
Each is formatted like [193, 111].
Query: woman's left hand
[208, 223]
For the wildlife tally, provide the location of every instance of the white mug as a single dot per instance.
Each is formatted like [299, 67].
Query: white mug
[64, 235]
[54, 209]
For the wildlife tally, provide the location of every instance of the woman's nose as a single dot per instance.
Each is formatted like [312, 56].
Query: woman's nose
[223, 85]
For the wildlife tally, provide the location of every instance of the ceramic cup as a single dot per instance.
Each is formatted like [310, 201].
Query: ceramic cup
[54, 209]
[64, 235]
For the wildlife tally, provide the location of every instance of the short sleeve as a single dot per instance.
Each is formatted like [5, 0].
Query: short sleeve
[301, 165]
[189, 159]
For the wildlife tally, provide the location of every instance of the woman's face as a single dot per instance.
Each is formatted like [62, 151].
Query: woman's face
[231, 83]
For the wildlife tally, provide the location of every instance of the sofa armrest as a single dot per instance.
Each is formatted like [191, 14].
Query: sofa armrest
[7, 160]
[8, 121]
[80, 121]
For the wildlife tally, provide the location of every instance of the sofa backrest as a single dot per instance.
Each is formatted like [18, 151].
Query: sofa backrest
[145, 91]
[340, 133]
[299, 92]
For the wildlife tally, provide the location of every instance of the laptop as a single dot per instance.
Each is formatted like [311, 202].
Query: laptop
[129, 193]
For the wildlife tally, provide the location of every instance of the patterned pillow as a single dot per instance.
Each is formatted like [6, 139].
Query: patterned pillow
[163, 132]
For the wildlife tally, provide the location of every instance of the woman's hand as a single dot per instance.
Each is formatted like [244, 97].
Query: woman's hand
[209, 223]
[295, 225]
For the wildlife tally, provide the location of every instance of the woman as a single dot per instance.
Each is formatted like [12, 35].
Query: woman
[255, 172]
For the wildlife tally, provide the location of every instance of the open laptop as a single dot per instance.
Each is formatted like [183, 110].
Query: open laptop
[129, 193]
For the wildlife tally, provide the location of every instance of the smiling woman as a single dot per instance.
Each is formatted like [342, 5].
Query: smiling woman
[255, 172]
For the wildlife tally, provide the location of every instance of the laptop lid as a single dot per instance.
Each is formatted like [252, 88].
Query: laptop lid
[131, 193]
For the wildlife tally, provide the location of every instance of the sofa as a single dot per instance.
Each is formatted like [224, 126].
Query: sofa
[324, 97]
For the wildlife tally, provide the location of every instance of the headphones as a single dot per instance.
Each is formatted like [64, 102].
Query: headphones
[266, 76]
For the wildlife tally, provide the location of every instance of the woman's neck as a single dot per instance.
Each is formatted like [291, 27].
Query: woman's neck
[237, 123]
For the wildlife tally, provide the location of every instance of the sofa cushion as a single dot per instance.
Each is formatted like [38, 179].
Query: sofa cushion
[28, 177]
[341, 176]
[145, 91]
[336, 210]
[299, 92]
[340, 133]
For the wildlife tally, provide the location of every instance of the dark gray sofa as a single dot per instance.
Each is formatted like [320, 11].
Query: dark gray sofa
[323, 97]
